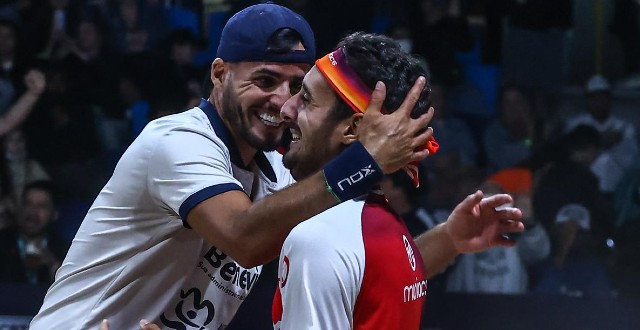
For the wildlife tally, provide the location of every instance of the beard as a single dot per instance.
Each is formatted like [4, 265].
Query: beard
[239, 123]
[314, 153]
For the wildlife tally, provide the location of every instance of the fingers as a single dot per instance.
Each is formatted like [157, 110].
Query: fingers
[510, 213]
[418, 155]
[420, 140]
[146, 325]
[421, 122]
[412, 97]
[377, 98]
[511, 226]
[470, 201]
[497, 200]
[104, 325]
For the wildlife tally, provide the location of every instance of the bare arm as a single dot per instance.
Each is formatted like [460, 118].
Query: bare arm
[473, 226]
[253, 233]
[35, 82]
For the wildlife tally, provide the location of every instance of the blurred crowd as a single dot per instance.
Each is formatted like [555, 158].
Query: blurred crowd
[79, 79]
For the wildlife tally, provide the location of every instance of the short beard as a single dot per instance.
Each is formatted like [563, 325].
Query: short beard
[239, 123]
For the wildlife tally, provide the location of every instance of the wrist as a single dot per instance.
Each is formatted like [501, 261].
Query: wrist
[448, 240]
[353, 173]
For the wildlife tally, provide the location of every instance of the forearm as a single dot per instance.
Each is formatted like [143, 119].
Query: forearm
[437, 250]
[266, 223]
[18, 112]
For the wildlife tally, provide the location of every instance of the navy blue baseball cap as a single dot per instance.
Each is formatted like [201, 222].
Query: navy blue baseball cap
[246, 34]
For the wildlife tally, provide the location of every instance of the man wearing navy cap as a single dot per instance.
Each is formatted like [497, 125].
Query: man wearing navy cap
[179, 233]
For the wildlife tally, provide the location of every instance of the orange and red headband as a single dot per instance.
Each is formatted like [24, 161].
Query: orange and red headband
[357, 94]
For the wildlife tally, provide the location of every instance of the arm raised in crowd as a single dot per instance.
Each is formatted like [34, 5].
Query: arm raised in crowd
[36, 84]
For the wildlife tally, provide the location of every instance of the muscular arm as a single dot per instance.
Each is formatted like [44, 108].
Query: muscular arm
[253, 234]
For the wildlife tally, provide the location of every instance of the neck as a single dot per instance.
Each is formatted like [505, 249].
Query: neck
[247, 152]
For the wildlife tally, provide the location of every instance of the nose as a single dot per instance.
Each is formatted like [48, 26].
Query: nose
[289, 111]
[281, 95]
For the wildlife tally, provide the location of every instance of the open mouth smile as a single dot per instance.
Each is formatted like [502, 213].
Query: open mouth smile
[270, 120]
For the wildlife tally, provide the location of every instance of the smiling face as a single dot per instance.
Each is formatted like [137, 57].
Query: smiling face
[317, 137]
[251, 95]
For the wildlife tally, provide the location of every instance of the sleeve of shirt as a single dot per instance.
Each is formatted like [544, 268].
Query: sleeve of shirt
[319, 282]
[188, 167]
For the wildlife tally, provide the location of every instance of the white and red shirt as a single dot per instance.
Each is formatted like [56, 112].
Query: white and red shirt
[354, 266]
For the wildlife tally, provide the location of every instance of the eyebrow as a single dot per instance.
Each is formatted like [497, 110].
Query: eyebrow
[307, 91]
[267, 71]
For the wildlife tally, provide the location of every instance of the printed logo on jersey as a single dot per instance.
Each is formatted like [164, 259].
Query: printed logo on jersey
[410, 254]
[284, 272]
[192, 311]
[415, 291]
[223, 271]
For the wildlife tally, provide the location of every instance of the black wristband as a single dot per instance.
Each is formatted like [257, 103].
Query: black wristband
[353, 173]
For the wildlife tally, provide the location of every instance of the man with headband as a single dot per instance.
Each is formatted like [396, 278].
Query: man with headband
[173, 237]
[355, 265]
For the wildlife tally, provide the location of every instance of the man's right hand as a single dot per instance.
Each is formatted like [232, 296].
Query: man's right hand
[392, 139]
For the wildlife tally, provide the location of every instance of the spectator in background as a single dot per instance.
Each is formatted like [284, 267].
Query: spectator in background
[13, 63]
[22, 168]
[625, 25]
[404, 35]
[405, 199]
[508, 140]
[7, 198]
[180, 47]
[136, 26]
[18, 112]
[443, 30]
[63, 137]
[503, 270]
[457, 145]
[30, 252]
[48, 24]
[86, 54]
[626, 262]
[578, 217]
[618, 136]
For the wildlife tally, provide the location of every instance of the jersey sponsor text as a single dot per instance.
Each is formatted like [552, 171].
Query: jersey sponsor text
[415, 291]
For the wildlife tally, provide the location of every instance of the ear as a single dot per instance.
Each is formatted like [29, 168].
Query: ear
[218, 69]
[350, 128]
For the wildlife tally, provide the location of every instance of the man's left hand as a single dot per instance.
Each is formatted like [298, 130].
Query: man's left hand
[475, 225]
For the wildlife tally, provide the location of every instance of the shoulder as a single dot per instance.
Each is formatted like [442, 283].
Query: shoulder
[193, 120]
[174, 133]
[336, 227]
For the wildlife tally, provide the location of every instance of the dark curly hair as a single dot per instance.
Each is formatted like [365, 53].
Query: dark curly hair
[379, 58]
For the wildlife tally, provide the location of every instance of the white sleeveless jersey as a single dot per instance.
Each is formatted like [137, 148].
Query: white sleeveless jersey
[134, 256]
